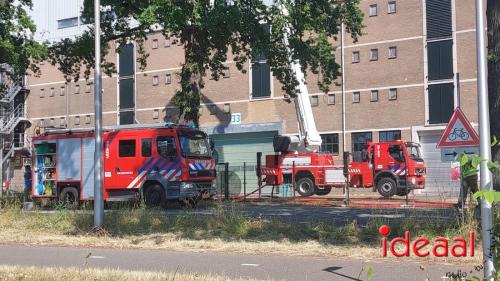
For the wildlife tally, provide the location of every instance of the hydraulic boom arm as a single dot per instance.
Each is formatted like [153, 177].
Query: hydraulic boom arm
[309, 138]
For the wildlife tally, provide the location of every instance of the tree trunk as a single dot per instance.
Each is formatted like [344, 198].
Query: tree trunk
[493, 22]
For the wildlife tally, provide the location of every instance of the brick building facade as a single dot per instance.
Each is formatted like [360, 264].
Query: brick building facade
[400, 80]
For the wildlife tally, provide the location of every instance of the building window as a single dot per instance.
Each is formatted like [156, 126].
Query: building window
[440, 59]
[77, 120]
[373, 10]
[391, 7]
[331, 99]
[42, 93]
[77, 89]
[63, 90]
[314, 101]
[126, 78]
[156, 114]
[69, 22]
[41, 123]
[146, 147]
[87, 119]
[441, 103]
[52, 122]
[62, 122]
[330, 143]
[226, 73]
[393, 94]
[261, 80]
[88, 87]
[227, 108]
[393, 52]
[385, 136]
[52, 92]
[156, 80]
[155, 43]
[355, 57]
[360, 140]
[356, 97]
[374, 96]
[126, 148]
[212, 108]
[374, 54]
[439, 19]
[168, 42]
[168, 79]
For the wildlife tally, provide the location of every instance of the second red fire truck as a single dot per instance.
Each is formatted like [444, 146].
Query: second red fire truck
[156, 163]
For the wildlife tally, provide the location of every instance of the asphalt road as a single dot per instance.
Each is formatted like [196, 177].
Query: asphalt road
[232, 265]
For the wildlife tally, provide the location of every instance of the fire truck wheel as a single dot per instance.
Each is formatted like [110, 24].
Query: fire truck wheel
[305, 187]
[69, 196]
[387, 187]
[324, 191]
[154, 196]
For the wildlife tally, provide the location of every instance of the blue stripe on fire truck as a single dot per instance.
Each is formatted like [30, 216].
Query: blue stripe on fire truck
[146, 165]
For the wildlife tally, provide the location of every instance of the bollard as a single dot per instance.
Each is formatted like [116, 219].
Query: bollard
[293, 179]
[244, 181]
[226, 182]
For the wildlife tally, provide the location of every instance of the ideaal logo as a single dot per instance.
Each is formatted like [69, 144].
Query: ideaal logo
[440, 247]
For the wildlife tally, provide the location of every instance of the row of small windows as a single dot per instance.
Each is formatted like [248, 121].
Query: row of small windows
[373, 9]
[356, 97]
[374, 54]
[374, 95]
[167, 43]
[61, 91]
[359, 140]
[226, 73]
[51, 122]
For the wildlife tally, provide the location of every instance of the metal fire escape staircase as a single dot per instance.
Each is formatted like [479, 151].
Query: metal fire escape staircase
[12, 115]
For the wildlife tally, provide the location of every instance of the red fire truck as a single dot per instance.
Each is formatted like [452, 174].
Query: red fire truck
[156, 163]
[391, 168]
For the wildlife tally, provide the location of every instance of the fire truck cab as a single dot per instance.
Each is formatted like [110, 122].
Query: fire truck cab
[158, 164]
[391, 168]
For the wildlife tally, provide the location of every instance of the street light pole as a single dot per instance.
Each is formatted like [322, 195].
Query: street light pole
[98, 159]
[484, 139]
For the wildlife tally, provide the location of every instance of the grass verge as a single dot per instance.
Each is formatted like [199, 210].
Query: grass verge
[227, 230]
[78, 274]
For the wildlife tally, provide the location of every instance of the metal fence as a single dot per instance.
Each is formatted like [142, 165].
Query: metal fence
[239, 180]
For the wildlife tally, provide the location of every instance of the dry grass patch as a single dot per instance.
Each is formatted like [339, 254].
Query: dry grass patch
[8, 273]
[227, 230]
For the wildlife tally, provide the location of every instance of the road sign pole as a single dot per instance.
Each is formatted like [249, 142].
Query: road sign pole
[98, 159]
[484, 139]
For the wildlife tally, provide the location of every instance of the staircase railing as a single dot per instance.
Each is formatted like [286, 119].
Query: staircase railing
[9, 123]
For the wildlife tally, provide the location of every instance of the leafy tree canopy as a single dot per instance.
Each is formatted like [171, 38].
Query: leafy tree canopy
[210, 29]
[17, 46]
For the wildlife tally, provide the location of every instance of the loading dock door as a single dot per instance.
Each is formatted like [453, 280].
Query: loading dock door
[438, 181]
[239, 148]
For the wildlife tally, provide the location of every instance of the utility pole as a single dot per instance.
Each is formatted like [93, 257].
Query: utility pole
[98, 159]
[484, 140]
[342, 60]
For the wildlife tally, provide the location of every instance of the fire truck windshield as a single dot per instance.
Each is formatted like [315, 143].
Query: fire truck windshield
[414, 152]
[194, 146]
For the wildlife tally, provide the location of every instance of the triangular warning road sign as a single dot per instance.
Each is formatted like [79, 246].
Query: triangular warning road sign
[459, 132]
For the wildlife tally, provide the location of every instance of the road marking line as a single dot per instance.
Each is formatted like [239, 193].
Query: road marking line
[97, 257]
[250, 264]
